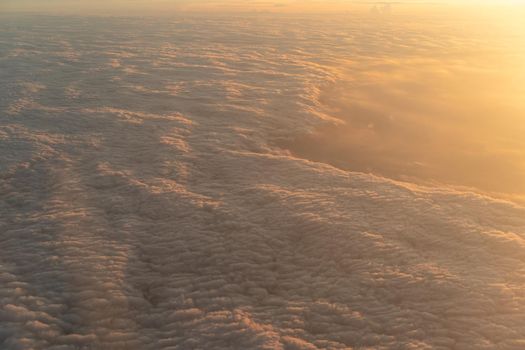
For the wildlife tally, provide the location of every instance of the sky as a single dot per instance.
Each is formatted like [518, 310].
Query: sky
[317, 6]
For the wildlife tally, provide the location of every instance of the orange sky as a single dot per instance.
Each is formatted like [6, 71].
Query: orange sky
[155, 6]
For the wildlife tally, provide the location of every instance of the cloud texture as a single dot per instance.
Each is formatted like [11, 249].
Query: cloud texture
[144, 206]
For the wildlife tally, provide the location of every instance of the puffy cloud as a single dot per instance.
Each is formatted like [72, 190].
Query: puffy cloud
[147, 208]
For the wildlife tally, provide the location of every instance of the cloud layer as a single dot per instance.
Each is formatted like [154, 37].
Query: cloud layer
[143, 206]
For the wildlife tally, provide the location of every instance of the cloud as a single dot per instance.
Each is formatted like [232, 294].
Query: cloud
[150, 209]
[412, 114]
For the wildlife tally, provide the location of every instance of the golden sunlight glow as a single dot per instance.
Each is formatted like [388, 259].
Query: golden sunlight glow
[451, 112]
[285, 6]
